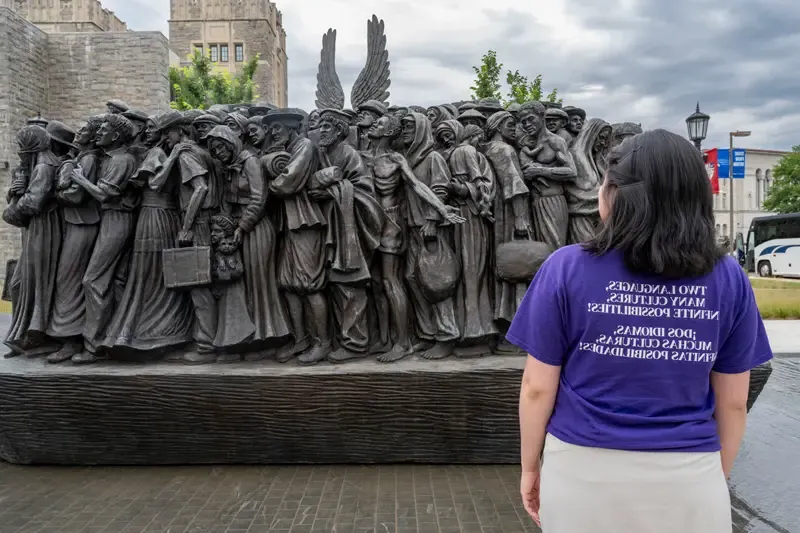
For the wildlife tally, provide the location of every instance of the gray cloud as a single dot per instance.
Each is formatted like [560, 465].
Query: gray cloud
[647, 61]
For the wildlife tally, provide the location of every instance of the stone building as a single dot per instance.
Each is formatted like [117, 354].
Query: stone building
[69, 76]
[748, 193]
[67, 16]
[233, 31]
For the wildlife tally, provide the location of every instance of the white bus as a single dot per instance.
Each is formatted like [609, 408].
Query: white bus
[773, 246]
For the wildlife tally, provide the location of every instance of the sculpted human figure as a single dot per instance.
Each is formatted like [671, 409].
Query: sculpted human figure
[472, 190]
[395, 182]
[35, 211]
[354, 225]
[81, 219]
[312, 126]
[234, 326]
[556, 120]
[474, 117]
[104, 279]
[547, 166]
[368, 113]
[238, 123]
[590, 151]
[577, 117]
[257, 137]
[511, 211]
[488, 106]
[149, 317]
[622, 130]
[244, 199]
[437, 114]
[138, 146]
[301, 261]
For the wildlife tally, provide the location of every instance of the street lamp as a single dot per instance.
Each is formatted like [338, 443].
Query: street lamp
[730, 182]
[697, 124]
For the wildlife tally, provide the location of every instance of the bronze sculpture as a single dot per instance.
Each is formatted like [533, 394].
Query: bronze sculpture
[246, 232]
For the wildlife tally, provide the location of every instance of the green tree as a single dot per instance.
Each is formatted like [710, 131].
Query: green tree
[487, 80]
[521, 91]
[784, 195]
[198, 86]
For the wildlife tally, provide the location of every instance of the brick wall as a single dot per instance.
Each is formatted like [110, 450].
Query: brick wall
[69, 77]
[23, 94]
[86, 70]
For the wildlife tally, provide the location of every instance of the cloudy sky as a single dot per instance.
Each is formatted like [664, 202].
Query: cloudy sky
[646, 61]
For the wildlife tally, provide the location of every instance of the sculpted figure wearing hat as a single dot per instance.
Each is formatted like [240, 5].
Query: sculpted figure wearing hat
[107, 270]
[301, 260]
[81, 217]
[117, 107]
[622, 130]
[556, 120]
[577, 117]
[354, 222]
[34, 280]
[368, 113]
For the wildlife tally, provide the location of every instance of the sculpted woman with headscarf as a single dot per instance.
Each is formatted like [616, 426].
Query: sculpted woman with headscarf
[511, 213]
[589, 151]
[435, 324]
[36, 212]
[472, 190]
[245, 198]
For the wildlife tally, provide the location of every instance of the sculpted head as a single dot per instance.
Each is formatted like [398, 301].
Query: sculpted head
[31, 140]
[334, 126]
[369, 112]
[116, 130]
[283, 126]
[531, 118]
[555, 119]
[577, 117]
[87, 134]
[151, 132]
[385, 126]
[409, 129]
[256, 133]
[602, 143]
[473, 135]
[221, 150]
[313, 120]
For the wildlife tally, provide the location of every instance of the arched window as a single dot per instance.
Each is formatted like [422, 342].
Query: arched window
[749, 200]
[759, 188]
[717, 229]
[725, 229]
[767, 182]
[724, 201]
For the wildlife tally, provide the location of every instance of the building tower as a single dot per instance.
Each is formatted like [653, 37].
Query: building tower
[234, 31]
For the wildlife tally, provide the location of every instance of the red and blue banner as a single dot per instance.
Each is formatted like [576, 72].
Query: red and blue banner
[711, 158]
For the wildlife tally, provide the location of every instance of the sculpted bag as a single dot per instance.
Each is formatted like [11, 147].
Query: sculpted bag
[438, 270]
[518, 261]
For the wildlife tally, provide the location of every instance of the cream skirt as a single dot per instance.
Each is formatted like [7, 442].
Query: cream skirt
[595, 490]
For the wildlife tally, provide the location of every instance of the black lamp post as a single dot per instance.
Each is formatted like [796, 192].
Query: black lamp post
[697, 124]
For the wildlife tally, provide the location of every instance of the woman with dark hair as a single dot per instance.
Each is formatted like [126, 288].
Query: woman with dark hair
[641, 343]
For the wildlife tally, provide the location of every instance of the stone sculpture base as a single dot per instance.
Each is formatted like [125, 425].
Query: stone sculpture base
[451, 411]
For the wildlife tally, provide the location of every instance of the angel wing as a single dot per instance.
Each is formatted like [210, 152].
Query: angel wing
[329, 89]
[373, 82]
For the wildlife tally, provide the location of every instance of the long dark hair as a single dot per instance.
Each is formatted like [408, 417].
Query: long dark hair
[661, 214]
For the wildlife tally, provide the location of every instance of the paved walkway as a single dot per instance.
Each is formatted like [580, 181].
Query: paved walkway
[784, 336]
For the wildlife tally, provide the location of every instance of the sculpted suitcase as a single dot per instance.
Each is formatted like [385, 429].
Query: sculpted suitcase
[187, 267]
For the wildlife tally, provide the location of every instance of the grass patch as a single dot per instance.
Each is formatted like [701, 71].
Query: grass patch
[777, 299]
[767, 283]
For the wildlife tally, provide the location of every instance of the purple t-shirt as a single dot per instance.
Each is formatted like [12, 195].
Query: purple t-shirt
[637, 350]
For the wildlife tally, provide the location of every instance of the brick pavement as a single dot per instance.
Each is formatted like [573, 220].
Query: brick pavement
[367, 499]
